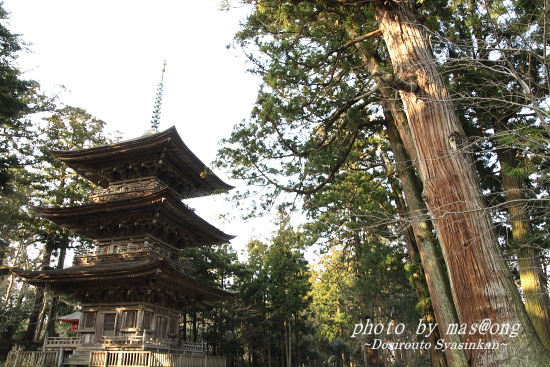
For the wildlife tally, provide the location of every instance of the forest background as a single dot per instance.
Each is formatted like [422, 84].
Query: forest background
[413, 136]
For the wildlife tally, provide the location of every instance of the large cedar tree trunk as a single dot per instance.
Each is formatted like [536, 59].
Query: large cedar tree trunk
[480, 281]
[428, 247]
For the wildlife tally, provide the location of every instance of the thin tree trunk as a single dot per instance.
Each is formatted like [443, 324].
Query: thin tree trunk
[437, 356]
[184, 330]
[34, 318]
[482, 286]
[533, 282]
[297, 343]
[3, 248]
[22, 244]
[372, 356]
[35, 315]
[268, 351]
[42, 322]
[195, 327]
[52, 316]
[286, 345]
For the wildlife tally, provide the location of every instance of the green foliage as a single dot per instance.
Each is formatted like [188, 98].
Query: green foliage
[288, 274]
[316, 128]
[15, 93]
[222, 321]
[364, 269]
[315, 101]
[215, 265]
[43, 180]
[18, 99]
[497, 66]
[317, 131]
[270, 308]
[68, 128]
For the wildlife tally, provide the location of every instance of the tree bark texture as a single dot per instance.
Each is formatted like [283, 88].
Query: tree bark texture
[34, 318]
[532, 278]
[437, 356]
[482, 286]
[428, 247]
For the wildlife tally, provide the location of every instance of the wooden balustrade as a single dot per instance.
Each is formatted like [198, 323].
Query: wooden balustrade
[17, 358]
[57, 342]
[121, 340]
[159, 343]
[128, 341]
[152, 359]
[127, 189]
[192, 347]
[152, 343]
[131, 251]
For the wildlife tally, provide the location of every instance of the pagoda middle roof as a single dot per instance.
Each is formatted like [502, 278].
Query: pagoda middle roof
[79, 278]
[160, 213]
[163, 148]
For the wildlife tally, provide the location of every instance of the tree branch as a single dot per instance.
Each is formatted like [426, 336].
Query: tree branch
[364, 37]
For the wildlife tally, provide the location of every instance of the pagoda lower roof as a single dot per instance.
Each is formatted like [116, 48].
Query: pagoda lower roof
[161, 214]
[138, 276]
[164, 153]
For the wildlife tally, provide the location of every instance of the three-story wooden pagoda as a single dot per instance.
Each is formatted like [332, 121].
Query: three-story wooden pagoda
[133, 286]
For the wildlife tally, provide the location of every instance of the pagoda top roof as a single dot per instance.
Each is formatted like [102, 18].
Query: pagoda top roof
[160, 213]
[158, 271]
[164, 153]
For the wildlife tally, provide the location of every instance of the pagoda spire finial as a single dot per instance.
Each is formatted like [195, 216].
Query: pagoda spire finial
[158, 100]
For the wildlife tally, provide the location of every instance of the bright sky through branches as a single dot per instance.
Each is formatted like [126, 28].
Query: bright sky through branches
[109, 56]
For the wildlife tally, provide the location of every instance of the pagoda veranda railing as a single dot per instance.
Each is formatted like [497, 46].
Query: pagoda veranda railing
[143, 342]
[127, 189]
[18, 358]
[132, 250]
[150, 342]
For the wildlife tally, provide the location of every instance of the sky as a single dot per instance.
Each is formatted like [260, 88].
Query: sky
[106, 56]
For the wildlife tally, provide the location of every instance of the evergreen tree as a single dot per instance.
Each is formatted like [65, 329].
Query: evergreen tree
[287, 294]
[18, 98]
[270, 311]
[46, 181]
[301, 41]
[497, 67]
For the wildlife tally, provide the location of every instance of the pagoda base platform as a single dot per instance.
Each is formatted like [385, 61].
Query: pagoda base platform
[92, 357]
